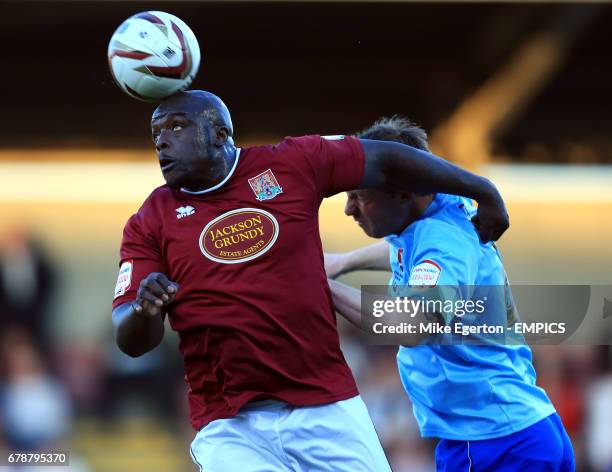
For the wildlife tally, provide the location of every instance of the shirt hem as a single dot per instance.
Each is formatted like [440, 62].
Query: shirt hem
[320, 400]
[430, 433]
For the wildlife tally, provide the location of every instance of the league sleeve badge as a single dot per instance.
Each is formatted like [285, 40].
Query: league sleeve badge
[265, 186]
[124, 280]
[425, 274]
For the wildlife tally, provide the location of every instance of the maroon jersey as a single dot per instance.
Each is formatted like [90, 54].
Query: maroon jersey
[254, 311]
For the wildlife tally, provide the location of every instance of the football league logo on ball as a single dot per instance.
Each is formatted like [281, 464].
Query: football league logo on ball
[265, 186]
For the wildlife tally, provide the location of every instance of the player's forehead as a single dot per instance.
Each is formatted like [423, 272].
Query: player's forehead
[173, 108]
[360, 193]
[160, 116]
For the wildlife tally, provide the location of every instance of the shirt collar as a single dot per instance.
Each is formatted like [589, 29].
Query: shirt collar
[220, 184]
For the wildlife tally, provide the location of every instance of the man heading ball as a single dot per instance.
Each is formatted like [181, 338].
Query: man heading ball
[230, 250]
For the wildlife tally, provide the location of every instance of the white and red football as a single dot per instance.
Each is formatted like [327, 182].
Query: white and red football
[153, 55]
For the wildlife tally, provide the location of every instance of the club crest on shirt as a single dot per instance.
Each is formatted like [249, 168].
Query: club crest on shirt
[265, 186]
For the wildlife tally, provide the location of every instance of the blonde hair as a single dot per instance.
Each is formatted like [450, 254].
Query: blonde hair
[399, 129]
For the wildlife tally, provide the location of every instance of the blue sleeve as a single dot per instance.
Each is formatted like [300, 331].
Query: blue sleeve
[444, 255]
[444, 260]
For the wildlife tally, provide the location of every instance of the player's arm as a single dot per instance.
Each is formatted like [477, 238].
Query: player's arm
[139, 324]
[347, 302]
[393, 165]
[372, 257]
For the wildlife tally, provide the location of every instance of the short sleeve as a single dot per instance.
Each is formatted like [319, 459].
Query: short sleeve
[445, 259]
[442, 255]
[139, 256]
[337, 162]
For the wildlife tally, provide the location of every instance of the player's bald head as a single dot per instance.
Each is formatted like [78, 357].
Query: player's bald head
[199, 103]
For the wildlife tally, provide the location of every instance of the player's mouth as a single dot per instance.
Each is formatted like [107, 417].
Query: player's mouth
[166, 164]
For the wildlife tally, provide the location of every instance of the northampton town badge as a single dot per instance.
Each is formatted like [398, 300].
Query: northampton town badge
[265, 186]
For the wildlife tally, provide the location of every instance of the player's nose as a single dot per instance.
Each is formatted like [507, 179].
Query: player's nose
[162, 141]
[349, 208]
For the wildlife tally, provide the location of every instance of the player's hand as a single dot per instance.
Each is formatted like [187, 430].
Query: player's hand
[334, 264]
[155, 292]
[492, 218]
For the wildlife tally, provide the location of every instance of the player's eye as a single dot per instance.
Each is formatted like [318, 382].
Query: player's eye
[177, 127]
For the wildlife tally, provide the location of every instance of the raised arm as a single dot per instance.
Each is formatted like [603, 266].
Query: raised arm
[393, 165]
[139, 325]
[372, 257]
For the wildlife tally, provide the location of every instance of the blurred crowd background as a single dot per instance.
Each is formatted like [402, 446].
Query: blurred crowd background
[518, 92]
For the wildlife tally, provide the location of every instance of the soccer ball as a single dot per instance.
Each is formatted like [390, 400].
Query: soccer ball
[153, 55]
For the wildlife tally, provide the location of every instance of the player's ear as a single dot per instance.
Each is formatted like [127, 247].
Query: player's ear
[222, 136]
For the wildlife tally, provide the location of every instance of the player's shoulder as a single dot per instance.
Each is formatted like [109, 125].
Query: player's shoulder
[154, 205]
[292, 151]
[445, 235]
[159, 197]
[443, 249]
[299, 144]
[158, 193]
[318, 140]
[286, 145]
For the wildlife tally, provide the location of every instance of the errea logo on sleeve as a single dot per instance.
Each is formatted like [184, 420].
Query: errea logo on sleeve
[425, 274]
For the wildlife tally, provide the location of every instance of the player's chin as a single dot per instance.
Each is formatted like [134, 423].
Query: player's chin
[174, 179]
[376, 233]
[367, 229]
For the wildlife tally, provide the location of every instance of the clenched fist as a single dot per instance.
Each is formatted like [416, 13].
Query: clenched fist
[155, 292]
[492, 218]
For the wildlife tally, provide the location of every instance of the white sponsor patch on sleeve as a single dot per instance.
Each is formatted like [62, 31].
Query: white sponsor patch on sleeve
[425, 274]
[333, 137]
[125, 279]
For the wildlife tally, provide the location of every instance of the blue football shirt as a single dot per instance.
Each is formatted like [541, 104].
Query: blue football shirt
[461, 391]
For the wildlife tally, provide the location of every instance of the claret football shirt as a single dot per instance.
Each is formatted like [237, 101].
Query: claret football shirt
[254, 312]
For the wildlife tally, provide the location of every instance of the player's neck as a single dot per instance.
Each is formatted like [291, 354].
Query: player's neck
[221, 171]
[417, 208]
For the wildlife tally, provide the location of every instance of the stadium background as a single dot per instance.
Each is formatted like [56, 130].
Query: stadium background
[518, 92]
